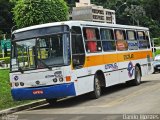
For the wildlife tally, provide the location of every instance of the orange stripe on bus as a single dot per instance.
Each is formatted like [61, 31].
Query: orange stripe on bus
[114, 58]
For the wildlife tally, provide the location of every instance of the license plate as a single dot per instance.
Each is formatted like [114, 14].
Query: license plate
[37, 92]
[158, 67]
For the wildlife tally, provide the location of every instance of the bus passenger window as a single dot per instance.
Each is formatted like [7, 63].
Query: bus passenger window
[131, 39]
[121, 43]
[78, 54]
[141, 35]
[142, 40]
[92, 39]
[107, 38]
[147, 38]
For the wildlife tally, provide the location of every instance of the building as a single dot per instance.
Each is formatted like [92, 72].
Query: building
[86, 11]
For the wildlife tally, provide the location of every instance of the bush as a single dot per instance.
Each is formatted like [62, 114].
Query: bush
[6, 60]
[1, 55]
[157, 52]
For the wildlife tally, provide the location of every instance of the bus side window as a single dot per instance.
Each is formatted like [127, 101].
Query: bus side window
[121, 43]
[92, 39]
[142, 40]
[78, 54]
[131, 39]
[107, 38]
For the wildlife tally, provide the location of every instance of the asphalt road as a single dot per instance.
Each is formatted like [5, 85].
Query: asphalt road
[117, 102]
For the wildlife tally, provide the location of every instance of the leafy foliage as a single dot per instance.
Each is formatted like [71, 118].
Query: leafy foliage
[6, 100]
[136, 12]
[31, 12]
[5, 16]
[6, 60]
[152, 8]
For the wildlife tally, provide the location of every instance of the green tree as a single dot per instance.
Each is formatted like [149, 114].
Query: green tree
[152, 8]
[31, 12]
[136, 12]
[5, 16]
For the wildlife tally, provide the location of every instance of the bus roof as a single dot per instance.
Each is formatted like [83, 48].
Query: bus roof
[81, 23]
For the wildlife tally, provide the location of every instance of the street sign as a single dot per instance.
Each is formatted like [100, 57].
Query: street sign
[6, 43]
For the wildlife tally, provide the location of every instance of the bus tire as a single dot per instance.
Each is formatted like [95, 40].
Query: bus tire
[96, 93]
[52, 101]
[137, 79]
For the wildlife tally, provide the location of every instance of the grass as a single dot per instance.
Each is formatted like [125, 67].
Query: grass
[157, 52]
[6, 100]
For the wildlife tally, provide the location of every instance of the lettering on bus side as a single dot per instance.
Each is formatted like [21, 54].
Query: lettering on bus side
[113, 66]
[129, 56]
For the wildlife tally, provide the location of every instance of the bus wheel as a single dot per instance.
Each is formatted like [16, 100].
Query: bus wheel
[97, 89]
[52, 101]
[137, 79]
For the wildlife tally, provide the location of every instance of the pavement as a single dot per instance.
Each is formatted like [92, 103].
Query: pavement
[22, 107]
[117, 103]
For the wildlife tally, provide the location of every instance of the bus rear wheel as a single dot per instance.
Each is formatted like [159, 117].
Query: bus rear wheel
[97, 89]
[137, 79]
[52, 101]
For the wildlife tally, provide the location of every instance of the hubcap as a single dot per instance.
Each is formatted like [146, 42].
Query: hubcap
[97, 86]
[138, 75]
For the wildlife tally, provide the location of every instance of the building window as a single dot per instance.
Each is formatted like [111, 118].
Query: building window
[108, 42]
[92, 40]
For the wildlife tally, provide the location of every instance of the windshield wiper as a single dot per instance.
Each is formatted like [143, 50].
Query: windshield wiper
[50, 68]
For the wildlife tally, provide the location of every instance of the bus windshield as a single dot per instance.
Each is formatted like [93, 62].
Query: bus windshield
[45, 51]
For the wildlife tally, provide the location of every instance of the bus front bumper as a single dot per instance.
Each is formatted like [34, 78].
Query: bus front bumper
[47, 92]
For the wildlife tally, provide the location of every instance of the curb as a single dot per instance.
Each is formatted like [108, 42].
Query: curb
[22, 107]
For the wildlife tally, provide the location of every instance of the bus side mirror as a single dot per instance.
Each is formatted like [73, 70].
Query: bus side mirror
[13, 36]
[154, 49]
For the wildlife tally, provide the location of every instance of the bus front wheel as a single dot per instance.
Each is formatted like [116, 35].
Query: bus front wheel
[97, 88]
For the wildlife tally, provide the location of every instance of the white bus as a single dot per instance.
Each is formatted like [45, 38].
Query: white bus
[61, 59]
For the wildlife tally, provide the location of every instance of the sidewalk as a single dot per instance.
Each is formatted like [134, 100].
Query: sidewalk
[22, 107]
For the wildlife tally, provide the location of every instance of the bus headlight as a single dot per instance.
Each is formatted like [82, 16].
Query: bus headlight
[61, 79]
[16, 84]
[55, 80]
[21, 83]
